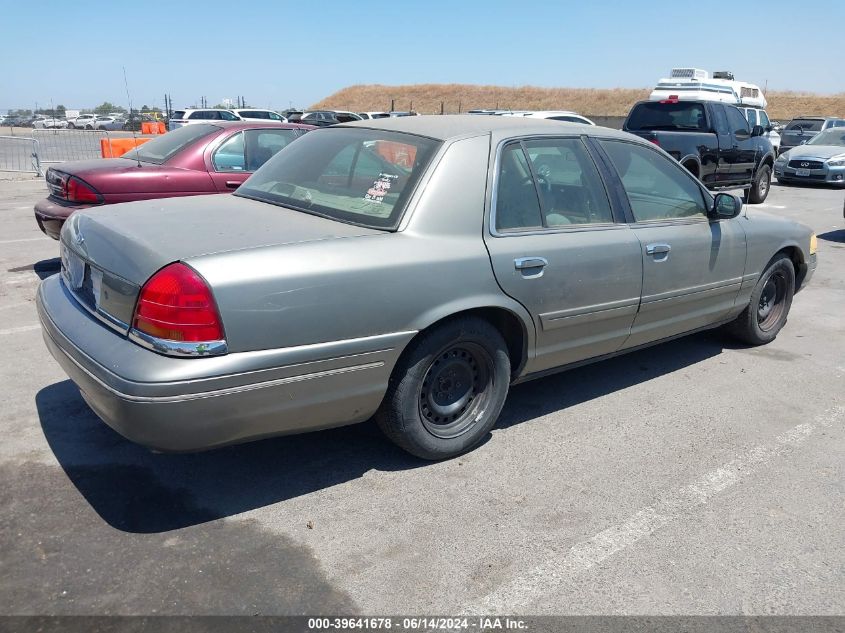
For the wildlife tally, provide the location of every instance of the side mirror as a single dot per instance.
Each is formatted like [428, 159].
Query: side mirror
[757, 130]
[726, 206]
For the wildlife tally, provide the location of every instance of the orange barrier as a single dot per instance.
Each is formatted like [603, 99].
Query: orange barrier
[114, 147]
[397, 153]
[152, 127]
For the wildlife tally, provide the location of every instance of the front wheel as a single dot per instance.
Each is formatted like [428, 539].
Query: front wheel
[447, 390]
[760, 185]
[766, 312]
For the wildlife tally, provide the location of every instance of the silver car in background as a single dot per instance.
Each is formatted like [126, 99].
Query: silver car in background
[821, 160]
[801, 130]
[410, 269]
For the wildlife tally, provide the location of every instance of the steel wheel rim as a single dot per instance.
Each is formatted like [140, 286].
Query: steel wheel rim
[763, 187]
[455, 389]
[771, 304]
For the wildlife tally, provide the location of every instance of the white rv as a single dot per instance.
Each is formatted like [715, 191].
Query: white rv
[694, 84]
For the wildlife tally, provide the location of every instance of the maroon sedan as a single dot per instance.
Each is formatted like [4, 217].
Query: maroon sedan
[195, 159]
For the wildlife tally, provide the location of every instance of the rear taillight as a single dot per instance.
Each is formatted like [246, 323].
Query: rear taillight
[71, 188]
[177, 305]
[80, 191]
[654, 140]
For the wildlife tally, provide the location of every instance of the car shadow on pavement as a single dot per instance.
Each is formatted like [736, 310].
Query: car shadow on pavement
[45, 268]
[561, 391]
[837, 236]
[136, 490]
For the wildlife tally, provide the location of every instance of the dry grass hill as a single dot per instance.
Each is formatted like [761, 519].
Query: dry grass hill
[427, 99]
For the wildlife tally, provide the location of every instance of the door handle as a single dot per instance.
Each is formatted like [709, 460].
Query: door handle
[531, 267]
[659, 251]
[233, 184]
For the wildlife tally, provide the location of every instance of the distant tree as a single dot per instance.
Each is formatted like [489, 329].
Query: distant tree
[106, 107]
[60, 110]
[20, 112]
[145, 108]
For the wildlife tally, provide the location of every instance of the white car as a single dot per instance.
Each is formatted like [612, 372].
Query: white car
[251, 114]
[186, 117]
[49, 123]
[83, 122]
[374, 115]
[103, 122]
[558, 115]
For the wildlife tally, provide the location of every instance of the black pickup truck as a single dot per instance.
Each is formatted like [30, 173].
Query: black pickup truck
[712, 140]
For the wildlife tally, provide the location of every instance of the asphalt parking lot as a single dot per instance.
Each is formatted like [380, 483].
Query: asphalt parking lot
[695, 477]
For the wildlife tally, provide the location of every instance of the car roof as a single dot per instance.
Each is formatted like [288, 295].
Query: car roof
[450, 126]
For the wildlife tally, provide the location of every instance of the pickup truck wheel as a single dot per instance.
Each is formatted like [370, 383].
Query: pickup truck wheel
[761, 185]
[766, 312]
[447, 390]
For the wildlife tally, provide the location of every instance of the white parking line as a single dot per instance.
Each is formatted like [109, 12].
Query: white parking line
[16, 330]
[28, 239]
[545, 578]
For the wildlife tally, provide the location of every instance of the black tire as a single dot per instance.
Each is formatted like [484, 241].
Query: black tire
[89, 127]
[768, 308]
[447, 390]
[760, 186]
[71, 126]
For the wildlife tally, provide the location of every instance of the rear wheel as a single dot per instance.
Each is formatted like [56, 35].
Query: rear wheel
[447, 390]
[760, 186]
[766, 312]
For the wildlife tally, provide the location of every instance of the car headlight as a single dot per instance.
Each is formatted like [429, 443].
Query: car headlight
[836, 161]
[814, 244]
[781, 159]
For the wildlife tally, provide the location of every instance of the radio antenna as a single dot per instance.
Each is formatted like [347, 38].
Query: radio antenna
[131, 124]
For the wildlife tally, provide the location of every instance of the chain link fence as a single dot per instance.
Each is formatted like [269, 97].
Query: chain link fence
[20, 154]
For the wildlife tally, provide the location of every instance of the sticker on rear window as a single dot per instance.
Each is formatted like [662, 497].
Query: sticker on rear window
[381, 187]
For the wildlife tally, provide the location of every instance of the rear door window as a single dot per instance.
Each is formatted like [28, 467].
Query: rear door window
[571, 190]
[179, 114]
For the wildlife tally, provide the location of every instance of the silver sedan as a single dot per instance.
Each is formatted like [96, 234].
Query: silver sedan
[410, 269]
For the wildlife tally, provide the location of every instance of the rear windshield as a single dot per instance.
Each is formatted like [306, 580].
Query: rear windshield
[159, 150]
[353, 175]
[667, 116]
[178, 114]
[805, 125]
[831, 136]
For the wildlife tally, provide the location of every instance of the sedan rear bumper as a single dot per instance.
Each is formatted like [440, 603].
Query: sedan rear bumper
[177, 404]
[51, 216]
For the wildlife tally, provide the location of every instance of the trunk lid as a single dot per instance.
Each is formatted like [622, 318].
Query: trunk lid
[108, 253]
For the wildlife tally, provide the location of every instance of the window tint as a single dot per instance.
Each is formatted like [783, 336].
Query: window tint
[226, 116]
[161, 148]
[837, 123]
[179, 114]
[517, 204]
[654, 115]
[230, 155]
[262, 145]
[355, 175]
[807, 125]
[657, 187]
[737, 123]
[571, 191]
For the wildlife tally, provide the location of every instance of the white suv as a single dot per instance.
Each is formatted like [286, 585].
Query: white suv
[185, 117]
[83, 121]
[554, 115]
[758, 116]
[251, 114]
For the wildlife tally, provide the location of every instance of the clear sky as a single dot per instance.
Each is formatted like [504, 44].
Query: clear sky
[281, 53]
